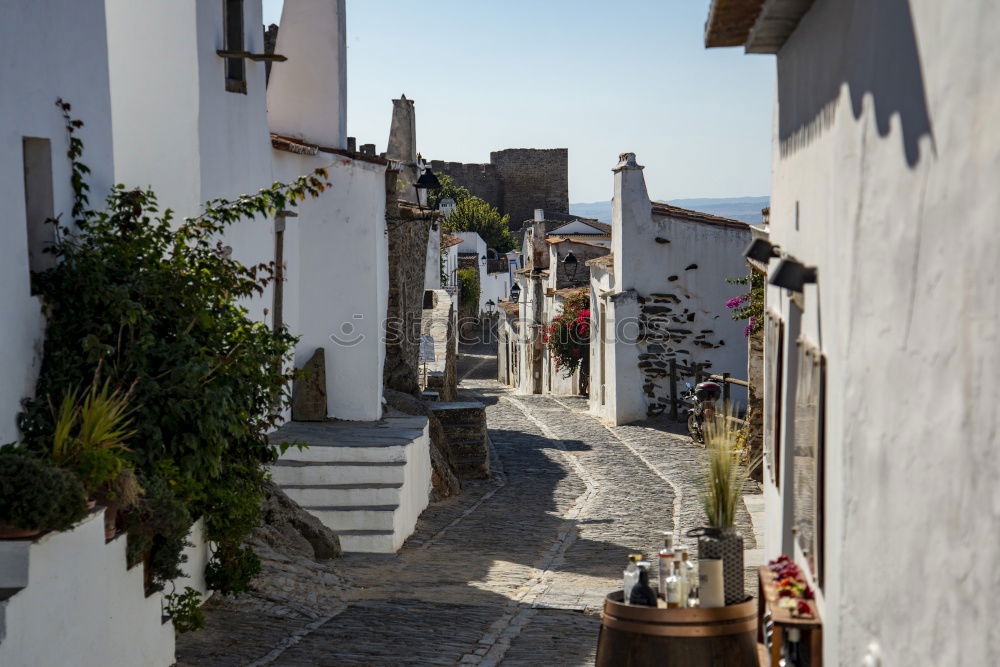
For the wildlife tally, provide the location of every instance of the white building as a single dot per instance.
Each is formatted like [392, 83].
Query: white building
[60, 54]
[336, 249]
[882, 319]
[69, 597]
[202, 116]
[661, 299]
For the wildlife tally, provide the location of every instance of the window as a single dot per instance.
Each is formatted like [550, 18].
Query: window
[232, 17]
[38, 203]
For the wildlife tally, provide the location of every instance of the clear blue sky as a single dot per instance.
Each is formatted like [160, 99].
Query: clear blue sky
[597, 77]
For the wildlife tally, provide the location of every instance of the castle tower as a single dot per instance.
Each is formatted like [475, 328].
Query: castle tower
[307, 94]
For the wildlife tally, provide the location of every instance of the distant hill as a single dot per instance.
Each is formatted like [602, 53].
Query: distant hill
[745, 209]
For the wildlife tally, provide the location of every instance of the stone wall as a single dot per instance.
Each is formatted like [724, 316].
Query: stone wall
[668, 330]
[533, 178]
[755, 397]
[408, 230]
[482, 180]
[439, 322]
[516, 180]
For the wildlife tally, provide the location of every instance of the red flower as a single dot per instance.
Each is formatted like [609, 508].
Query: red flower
[804, 609]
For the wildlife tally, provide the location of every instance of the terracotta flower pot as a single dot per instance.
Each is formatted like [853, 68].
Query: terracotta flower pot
[110, 521]
[8, 532]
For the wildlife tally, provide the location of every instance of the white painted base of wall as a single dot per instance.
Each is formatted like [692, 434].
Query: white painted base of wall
[79, 604]
[368, 482]
[75, 587]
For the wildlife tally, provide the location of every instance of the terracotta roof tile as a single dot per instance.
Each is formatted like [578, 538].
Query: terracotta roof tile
[509, 307]
[567, 292]
[606, 262]
[604, 227]
[666, 210]
[448, 240]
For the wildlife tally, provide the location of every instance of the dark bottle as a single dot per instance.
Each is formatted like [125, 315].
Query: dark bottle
[642, 593]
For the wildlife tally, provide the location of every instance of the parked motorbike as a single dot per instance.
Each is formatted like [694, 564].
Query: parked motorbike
[702, 399]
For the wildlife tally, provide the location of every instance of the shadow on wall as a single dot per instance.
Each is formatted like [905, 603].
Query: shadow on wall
[869, 45]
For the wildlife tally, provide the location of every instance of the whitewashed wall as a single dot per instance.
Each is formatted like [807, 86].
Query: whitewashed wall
[493, 287]
[886, 165]
[433, 266]
[181, 131]
[54, 49]
[690, 269]
[337, 256]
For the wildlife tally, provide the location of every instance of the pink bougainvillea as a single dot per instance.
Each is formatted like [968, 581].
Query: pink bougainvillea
[568, 337]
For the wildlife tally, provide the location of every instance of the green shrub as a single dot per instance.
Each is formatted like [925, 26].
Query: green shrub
[184, 609]
[158, 527]
[468, 290]
[157, 306]
[35, 495]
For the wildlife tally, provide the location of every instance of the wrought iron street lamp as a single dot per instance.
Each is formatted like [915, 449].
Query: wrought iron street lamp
[427, 181]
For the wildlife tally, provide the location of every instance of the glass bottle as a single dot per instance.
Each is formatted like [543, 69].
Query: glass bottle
[667, 555]
[792, 650]
[631, 576]
[642, 593]
[673, 588]
[689, 573]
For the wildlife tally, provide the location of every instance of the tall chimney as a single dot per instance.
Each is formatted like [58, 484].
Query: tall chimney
[403, 132]
[307, 94]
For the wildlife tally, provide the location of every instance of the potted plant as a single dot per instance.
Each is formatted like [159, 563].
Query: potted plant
[89, 439]
[721, 497]
[36, 496]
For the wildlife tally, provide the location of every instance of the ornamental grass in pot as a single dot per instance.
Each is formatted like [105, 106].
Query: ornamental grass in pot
[89, 439]
[726, 471]
[36, 496]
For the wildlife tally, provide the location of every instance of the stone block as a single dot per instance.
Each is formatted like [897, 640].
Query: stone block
[309, 389]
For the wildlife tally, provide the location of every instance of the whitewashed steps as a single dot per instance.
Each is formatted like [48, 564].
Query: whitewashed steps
[366, 481]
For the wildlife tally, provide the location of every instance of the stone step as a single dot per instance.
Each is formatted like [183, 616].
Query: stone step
[344, 494]
[347, 452]
[349, 517]
[305, 473]
[467, 412]
[368, 541]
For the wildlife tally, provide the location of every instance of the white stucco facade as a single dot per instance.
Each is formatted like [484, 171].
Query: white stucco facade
[663, 297]
[886, 161]
[55, 50]
[208, 142]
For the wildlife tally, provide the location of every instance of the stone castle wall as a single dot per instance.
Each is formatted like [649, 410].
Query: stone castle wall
[516, 180]
[482, 180]
[533, 178]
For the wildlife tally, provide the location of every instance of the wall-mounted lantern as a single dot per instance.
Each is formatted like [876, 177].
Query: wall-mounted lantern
[515, 292]
[792, 274]
[427, 181]
[761, 250]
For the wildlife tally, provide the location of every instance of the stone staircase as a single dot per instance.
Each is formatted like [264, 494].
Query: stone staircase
[464, 424]
[366, 481]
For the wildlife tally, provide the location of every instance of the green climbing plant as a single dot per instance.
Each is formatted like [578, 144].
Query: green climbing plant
[153, 305]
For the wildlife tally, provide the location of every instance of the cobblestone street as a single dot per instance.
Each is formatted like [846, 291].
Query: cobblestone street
[514, 570]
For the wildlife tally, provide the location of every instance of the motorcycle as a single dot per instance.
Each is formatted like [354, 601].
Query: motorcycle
[702, 399]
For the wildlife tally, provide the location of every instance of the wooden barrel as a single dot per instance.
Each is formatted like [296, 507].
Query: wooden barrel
[633, 636]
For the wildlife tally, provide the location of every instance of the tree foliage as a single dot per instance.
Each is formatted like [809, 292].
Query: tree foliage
[475, 215]
[449, 190]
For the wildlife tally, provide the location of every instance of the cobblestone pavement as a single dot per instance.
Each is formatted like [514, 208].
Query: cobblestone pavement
[513, 571]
